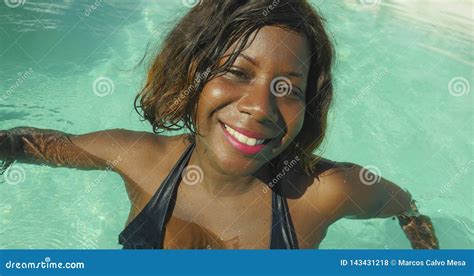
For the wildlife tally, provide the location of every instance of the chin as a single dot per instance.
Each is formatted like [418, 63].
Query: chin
[230, 163]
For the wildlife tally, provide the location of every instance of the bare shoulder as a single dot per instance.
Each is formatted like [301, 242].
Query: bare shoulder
[329, 188]
[115, 140]
[350, 190]
[126, 147]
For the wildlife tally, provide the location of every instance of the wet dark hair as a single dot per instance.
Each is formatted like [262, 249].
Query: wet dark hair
[190, 54]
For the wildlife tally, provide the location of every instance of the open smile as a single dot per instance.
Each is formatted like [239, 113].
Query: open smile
[246, 142]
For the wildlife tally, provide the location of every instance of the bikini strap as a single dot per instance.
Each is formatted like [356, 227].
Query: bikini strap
[148, 229]
[163, 202]
[283, 234]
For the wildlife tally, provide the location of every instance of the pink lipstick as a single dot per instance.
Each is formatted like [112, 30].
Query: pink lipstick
[243, 147]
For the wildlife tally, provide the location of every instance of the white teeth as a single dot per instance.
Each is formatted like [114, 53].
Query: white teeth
[251, 141]
[242, 138]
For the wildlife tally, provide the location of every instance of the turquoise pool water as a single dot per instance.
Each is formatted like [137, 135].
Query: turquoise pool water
[404, 104]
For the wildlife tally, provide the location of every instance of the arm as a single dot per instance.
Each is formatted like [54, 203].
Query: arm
[43, 146]
[371, 196]
[92, 151]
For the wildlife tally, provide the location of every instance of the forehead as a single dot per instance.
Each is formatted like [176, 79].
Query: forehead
[278, 47]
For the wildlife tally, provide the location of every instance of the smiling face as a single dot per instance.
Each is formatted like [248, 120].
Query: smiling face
[246, 117]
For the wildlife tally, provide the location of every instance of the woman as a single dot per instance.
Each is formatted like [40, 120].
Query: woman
[251, 82]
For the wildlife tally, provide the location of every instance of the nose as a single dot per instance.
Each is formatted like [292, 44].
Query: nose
[259, 102]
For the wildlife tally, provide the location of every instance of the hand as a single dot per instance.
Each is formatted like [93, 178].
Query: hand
[419, 229]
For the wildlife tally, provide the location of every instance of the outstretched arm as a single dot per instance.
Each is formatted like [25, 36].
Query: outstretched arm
[43, 146]
[91, 151]
[372, 196]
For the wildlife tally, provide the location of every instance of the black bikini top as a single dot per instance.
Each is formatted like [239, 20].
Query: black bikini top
[147, 230]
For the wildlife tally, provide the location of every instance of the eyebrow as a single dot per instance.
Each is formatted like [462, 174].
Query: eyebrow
[294, 74]
[254, 62]
[251, 60]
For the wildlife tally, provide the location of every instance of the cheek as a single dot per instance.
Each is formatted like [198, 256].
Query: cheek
[214, 96]
[294, 118]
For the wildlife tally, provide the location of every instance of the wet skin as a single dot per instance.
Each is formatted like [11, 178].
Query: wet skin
[231, 207]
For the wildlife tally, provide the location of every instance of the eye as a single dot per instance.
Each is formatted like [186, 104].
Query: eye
[296, 92]
[300, 92]
[238, 73]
